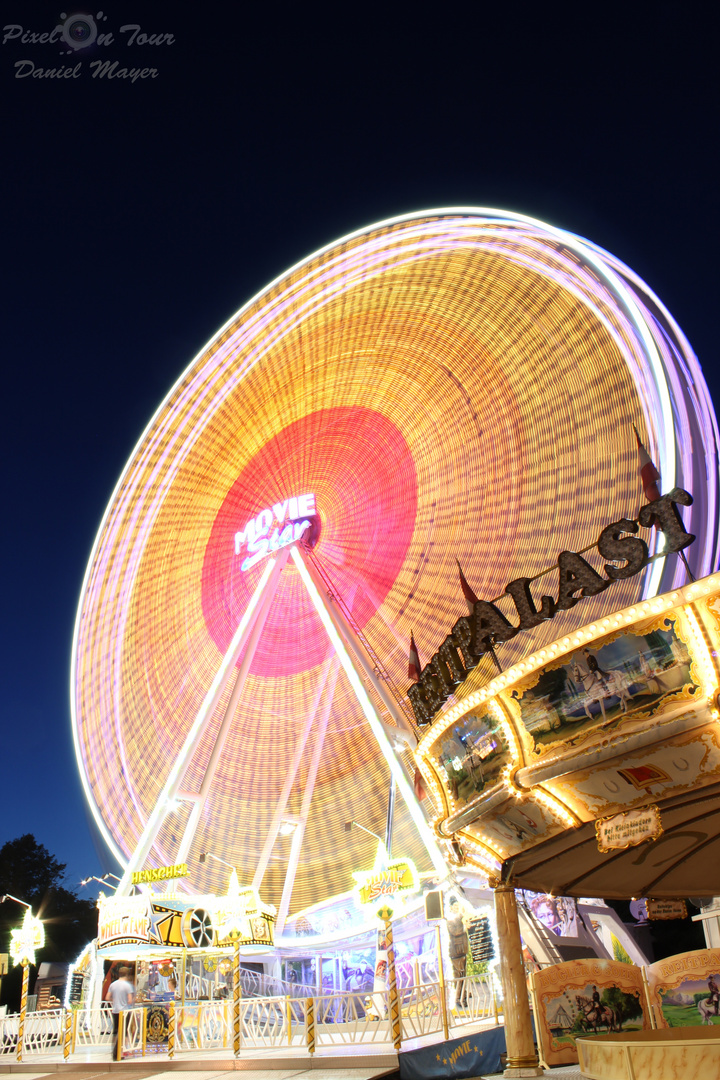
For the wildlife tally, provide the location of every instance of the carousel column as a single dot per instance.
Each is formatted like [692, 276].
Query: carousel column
[522, 1059]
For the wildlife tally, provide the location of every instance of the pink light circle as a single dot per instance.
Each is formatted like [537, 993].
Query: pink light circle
[360, 469]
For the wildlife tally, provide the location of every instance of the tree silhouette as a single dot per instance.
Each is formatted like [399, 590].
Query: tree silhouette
[29, 872]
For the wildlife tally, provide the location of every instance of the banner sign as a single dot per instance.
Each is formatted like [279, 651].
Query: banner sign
[479, 935]
[288, 521]
[160, 873]
[386, 881]
[475, 635]
[628, 829]
[666, 909]
[124, 920]
[475, 1055]
[241, 918]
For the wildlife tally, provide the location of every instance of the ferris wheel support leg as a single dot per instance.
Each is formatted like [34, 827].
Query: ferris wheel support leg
[290, 777]
[348, 635]
[175, 778]
[299, 834]
[220, 738]
[376, 726]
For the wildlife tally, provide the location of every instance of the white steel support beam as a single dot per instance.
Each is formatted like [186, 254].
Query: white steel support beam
[299, 834]
[220, 738]
[192, 739]
[348, 635]
[289, 780]
[376, 725]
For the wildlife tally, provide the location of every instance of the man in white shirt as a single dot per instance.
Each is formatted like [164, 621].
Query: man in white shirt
[120, 994]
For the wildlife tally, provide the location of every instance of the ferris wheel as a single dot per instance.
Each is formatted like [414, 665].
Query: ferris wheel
[459, 384]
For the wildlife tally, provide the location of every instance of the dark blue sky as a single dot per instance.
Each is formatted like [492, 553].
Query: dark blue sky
[137, 217]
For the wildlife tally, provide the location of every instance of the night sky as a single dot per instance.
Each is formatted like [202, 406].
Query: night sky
[138, 216]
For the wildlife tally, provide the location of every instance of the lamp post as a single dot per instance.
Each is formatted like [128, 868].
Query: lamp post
[23, 943]
[103, 880]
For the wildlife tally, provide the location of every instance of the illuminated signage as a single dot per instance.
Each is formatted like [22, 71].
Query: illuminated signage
[24, 941]
[241, 918]
[387, 879]
[475, 635]
[160, 873]
[123, 921]
[275, 528]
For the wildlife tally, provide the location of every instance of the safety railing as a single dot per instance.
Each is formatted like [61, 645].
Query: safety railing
[133, 1032]
[333, 1019]
[205, 1026]
[43, 1034]
[421, 1010]
[8, 1033]
[348, 1018]
[93, 1028]
[263, 1022]
[471, 999]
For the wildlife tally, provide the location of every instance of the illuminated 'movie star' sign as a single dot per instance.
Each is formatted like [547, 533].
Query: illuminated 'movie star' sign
[256, 534]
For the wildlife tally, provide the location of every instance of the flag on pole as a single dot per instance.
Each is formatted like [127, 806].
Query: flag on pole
[648, 473]
[413, 661]
[470, 597]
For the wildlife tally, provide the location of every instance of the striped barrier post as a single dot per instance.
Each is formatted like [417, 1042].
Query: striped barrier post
[310, 1024]
[236, 1001]
[171, 1030]
[67, 1041]
[23, 1009]
[392, 987]
[121, 1035]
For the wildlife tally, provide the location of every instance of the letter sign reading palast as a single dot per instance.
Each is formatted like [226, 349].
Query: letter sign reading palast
[275, 528]
[475, 635]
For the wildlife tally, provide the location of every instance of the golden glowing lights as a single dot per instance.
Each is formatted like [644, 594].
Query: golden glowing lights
[447, 385]
[27, 939]
[695, 608]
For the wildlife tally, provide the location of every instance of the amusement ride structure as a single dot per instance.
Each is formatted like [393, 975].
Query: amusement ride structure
[459, 384]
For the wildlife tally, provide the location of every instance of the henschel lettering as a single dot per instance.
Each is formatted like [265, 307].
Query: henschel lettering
[475, 635]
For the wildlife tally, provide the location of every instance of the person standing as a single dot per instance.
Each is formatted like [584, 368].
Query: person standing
[120, 995]
[458, 950]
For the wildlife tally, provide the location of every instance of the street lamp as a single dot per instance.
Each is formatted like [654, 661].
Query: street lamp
[349, 825]
[8, 896]
[209, 855]
[23, 943]
[103, 880]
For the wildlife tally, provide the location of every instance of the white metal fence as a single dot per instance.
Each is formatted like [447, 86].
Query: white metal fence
[343, 1018]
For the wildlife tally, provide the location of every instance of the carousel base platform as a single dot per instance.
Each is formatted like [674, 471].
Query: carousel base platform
[664, 1054]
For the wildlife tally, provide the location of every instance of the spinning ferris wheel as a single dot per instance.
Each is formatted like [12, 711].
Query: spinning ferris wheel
[457, 384]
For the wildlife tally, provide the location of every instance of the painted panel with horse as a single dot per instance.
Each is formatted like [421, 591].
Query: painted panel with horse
[623, 680]
[685, 989]
[586, 997]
